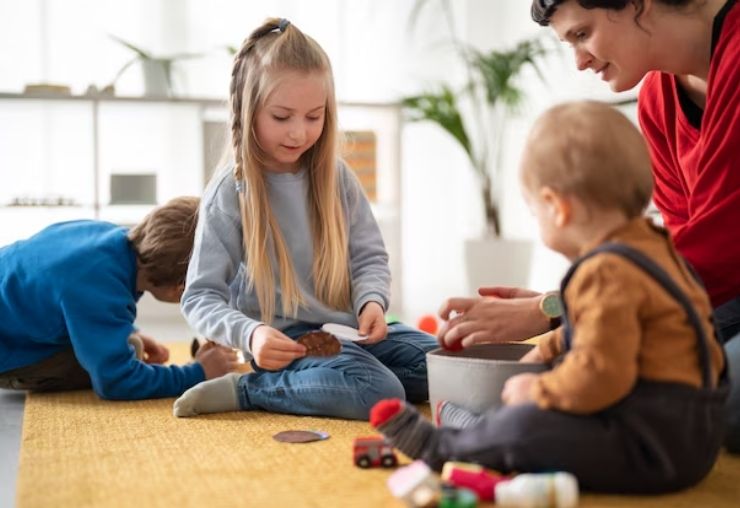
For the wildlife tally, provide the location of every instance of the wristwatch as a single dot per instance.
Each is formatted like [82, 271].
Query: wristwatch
[552, 308]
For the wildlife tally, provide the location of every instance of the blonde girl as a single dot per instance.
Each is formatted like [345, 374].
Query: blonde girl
[286, 242]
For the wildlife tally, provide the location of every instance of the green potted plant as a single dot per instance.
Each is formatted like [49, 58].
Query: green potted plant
[476, 116]
[493, 88]
[157, 70]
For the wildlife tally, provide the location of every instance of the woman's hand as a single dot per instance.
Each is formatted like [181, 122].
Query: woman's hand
[372, 323]
[507, 292]
[518, 389]
[501, 314]
[273, 350]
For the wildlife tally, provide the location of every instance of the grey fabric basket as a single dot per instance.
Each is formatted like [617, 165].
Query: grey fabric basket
[474, 377]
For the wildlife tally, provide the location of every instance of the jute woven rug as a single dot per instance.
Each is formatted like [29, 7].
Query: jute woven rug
[80, 451]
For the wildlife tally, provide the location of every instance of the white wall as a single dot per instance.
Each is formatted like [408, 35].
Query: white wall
[376, 58]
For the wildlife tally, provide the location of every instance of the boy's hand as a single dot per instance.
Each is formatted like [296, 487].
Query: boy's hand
[154, 352]
[517, 389]
[216, 359]
[372, 323]
[273, 350]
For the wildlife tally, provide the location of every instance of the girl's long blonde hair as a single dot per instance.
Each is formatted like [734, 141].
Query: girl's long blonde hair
[274, 47]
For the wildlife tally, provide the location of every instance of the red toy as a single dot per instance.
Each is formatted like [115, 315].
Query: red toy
[455, 346]
[373, 451]
[473, 477]
[428, 323]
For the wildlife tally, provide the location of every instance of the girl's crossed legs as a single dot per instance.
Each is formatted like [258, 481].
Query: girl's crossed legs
[345, 386]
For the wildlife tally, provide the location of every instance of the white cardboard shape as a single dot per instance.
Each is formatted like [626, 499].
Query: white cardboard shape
[343, 332]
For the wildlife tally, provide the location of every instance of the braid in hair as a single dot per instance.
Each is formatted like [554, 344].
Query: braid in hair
[238, 78]
[270, 49]
[260, 231]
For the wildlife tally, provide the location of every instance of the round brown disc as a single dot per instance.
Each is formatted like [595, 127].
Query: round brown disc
[320, 344]
[299, 436]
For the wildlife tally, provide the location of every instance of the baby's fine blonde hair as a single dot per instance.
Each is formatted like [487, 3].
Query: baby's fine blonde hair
[273, 48]
[589, 150]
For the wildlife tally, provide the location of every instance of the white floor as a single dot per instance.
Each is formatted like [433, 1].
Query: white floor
[171, 329]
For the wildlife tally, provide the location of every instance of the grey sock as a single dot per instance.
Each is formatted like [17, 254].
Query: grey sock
[213, 396]
[457, 417]
[408, 431]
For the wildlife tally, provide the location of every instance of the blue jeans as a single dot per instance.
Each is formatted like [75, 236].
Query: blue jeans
[727, 319]
[347, 385]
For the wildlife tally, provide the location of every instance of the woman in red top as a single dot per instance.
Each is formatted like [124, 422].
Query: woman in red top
[688, 52]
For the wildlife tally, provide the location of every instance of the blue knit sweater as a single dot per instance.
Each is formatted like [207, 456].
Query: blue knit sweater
[74, 284]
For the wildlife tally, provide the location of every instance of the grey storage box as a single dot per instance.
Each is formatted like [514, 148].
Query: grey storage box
[474, 377]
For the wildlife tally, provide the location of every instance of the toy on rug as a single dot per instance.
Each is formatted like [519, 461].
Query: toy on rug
[373, 451]
[463, 484]
[473, 477]
[300, 436]
[419, 487]
[547, 490]
[416, 485]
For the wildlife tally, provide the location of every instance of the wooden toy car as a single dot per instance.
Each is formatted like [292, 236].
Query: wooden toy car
[373, 451]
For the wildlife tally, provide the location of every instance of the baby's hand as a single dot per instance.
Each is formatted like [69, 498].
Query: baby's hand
[273, 350]
[534, 355]
[372, 323]
[517, 389]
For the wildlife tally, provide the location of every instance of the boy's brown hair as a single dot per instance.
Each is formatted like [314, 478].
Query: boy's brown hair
[163, 240]
[592, 151]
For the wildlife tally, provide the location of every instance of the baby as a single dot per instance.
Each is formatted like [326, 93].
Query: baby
[634, 400]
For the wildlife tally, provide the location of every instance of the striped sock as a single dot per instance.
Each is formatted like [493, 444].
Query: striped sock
[405, 428]
[448, 414]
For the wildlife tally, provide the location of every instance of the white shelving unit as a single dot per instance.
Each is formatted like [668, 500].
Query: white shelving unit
[62, 146]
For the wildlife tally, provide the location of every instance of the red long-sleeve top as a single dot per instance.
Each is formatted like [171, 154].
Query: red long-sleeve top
[697, 169]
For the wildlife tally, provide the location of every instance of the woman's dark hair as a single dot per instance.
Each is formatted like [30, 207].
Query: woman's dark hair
[542, 10]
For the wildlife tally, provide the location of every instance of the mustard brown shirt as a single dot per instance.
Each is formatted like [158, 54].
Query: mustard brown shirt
[626, 327]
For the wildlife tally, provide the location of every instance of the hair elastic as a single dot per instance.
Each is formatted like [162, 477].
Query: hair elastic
[283, 24]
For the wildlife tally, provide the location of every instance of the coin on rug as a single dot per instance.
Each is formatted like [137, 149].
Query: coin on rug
[300, 436]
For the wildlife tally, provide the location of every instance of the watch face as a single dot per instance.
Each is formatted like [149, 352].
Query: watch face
[551, 306]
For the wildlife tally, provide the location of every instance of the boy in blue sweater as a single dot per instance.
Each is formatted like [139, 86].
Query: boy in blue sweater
[68, 303]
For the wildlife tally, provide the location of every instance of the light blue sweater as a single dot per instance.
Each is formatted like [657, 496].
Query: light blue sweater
[74, 284]
[216, 302]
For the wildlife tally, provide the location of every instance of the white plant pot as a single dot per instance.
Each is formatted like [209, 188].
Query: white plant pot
[497, 262]
[156, 82]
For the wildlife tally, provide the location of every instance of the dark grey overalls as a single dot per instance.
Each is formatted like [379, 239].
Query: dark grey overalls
[661, 437]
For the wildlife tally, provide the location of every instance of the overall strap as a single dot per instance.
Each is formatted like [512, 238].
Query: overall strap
[660, 276]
